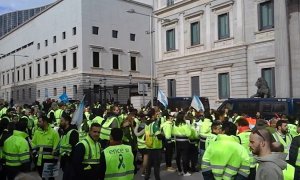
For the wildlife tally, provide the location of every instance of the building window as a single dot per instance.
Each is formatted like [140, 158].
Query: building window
[195, 87]
[74, 30]
[24, 75]
[46, 42]
[30, 72]
[23, 94]
[74, 89]
[29, 93]
[115, 61]
[38, 70]
[18, 75]
[74, 59]
[46, 92]
[114, 33]
[38, 45]
[7, 78]
[64, 62]
[170, 39]
[95, 30]
[132, 37]
[133, 63]
[54, 39]
[64, 35]
[269, 75]
[54, 65]
[39, 93]
[54, 92]
[224, 85]
[266, 15]
[223, 26]
[13, 76]
[64, 89]
[46, 67]
[170, 2]
[3, 79]
[96, 59]
[171, 88]
[195, 33]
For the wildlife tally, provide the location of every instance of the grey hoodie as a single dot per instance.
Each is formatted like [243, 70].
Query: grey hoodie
[270, 167]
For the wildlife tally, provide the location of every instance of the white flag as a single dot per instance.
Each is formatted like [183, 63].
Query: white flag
[197, 104]
[161, 97]
[78, 114]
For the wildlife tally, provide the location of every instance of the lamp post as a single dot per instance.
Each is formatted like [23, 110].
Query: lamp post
[14, 55]
[130, 78]
[132, 11]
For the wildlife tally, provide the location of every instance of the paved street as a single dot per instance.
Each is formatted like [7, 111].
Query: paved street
[170, 175]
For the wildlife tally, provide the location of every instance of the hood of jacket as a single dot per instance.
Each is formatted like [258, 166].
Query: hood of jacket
[276, 157]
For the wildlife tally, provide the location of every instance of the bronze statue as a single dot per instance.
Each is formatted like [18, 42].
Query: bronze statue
[263, 90]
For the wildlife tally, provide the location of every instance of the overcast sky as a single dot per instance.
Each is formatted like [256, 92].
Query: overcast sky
[14, 5]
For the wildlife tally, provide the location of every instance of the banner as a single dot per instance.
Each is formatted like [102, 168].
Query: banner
[197, 104]
[161, 97]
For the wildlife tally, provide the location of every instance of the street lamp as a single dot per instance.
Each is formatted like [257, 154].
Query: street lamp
[132, 11]
[14, 55]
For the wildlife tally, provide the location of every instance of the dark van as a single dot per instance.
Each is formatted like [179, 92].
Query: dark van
[267, 107]
[182, 103]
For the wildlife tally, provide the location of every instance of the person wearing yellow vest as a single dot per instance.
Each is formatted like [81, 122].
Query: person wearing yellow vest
[44, 143]
[225, 158]
[139, 131]
[16, 151]
[270, 165]
[181, 132]
[294, 154]
[283, 136]
[58, 114]
[117, 160]
[155, 147]
[51, 112]
[216, 128]
[244, 132]
[86, 156]
[166, 128]
[110, 121]
[69, 139]
[194, 142]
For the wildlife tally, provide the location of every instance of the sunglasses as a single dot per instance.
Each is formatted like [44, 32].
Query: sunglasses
[258, 133]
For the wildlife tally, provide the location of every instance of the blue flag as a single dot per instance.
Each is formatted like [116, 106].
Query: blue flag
[77, 117]
[161, 97]
[64, 98]
[197, 104]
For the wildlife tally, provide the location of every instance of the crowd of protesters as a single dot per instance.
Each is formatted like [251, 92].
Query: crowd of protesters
[115, 142]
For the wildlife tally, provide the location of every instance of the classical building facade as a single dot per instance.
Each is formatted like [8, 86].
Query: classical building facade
[79, 47]
[219, 48]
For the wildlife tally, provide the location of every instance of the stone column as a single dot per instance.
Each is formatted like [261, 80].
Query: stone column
[282, 58]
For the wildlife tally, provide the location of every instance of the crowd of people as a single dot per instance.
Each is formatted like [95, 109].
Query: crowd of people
[115, 142]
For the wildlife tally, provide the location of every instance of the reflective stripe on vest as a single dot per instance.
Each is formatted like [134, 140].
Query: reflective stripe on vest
[105, 129]
[286, 143]
[65, 146]
[92, 151]
[12, 159]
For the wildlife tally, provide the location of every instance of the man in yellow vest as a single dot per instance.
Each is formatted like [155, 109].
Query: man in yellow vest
[225, 158]
[294, 158]
[44, 143]
[110, 121]
[117, 160]
[270, 165]
[16, 151]
[70, 138]
[86, 156]
[283, 136]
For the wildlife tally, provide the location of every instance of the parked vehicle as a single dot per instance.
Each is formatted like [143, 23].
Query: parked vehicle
[268, 107]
